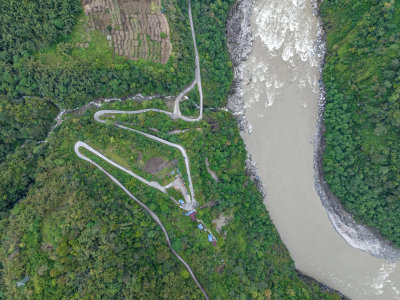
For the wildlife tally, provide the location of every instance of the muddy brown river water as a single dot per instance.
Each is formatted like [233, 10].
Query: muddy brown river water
[281, 100]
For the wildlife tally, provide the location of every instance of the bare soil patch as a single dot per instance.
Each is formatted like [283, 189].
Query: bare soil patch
[157, 164]
[221, 221]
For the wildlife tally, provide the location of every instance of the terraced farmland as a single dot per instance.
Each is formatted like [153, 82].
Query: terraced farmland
[135, 29]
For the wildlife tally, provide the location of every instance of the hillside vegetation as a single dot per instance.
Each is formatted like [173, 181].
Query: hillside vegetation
[28, 26]
[23, 123]
[77, 234]
[23, 119]
[74, 75]
[362, 116]
[72, 234]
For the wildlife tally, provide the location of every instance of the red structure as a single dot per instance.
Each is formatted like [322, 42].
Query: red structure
[193, 216]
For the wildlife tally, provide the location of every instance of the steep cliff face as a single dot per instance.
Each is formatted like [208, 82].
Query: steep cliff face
[240, 41]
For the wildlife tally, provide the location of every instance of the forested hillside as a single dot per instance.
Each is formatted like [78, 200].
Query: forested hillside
[27, 26]
[73, 75]
[70, 233]
[23, 123]
[23, 119]
[362, 116]
[76, 234]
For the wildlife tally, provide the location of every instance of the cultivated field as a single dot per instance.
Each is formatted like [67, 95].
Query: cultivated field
[134, 28]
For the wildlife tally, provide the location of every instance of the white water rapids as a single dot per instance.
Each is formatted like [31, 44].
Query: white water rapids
[281, 95]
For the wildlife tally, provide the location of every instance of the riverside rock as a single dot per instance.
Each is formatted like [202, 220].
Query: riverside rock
[240, 42]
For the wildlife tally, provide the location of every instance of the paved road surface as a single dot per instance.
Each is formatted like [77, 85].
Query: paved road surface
[153, 184]
[175, 115]
[100, 113]
[149, 211]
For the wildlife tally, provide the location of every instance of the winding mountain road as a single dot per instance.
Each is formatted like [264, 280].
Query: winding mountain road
[190, 203]
[149, 211]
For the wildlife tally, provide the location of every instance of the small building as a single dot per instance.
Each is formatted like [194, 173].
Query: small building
[192, 216]
[22, 282]
[214, 242]
[210, 238]
[200, 226]
[181, 201]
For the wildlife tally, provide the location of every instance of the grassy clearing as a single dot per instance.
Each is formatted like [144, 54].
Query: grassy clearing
[97, 53]
[134, 152]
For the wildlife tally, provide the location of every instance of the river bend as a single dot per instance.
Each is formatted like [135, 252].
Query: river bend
[280, 94]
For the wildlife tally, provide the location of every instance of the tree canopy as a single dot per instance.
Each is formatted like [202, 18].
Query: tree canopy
[362, 114]
[68, 232]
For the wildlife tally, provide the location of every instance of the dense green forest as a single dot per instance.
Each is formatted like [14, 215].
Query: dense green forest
[28, 26]
[362, 115]
[24, 122]
[73, 234]
[77, 234]
[73, 76]
[23, 119]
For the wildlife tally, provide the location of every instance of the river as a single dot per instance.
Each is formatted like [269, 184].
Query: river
[280, 94]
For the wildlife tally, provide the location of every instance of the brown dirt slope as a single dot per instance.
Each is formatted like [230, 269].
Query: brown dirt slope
[156, 164]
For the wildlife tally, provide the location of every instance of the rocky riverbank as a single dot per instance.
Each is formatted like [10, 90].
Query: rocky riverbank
[240, 42]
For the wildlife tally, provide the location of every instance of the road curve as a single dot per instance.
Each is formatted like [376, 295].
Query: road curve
[197, 61]
[153, 184]
[175, 115]
[97, 117]
[149, 211]
[197, 80]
